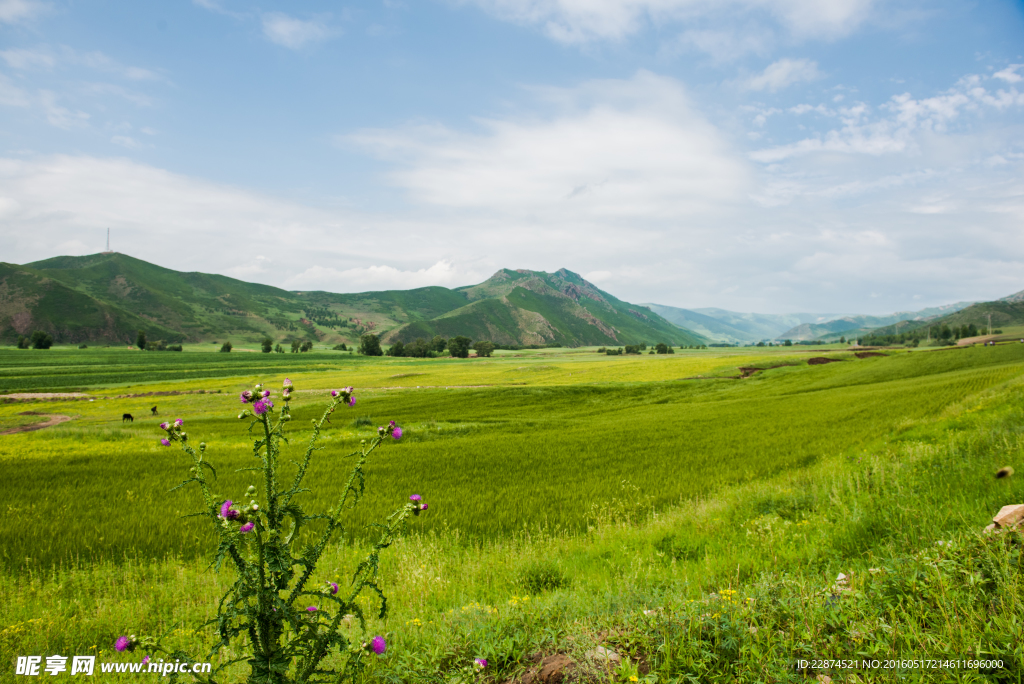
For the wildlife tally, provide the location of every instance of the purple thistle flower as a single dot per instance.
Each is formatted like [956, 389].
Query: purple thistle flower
[164, 425]
[122, 643]
[334, 588]
[145, 660]
[226, 512]
[378, 645]
[481, 663]
[423, 507]
[334, 393]
[312, 609]
[165, 441]
[266, 393]
[262, 406]
[287, 383]
[397, 434]
[247, 527]
[245, 396]
[415, 498]
[391, 423]
[351, 401]
[179, 422]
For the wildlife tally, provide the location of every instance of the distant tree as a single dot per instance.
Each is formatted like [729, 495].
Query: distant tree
[369, 345]
[226, 347]
[419, 348]
[306, 346]
[484, 348]
[842, 340]
[397, 349]
[788, 343]
[340, 347]
[268, 345]
[278, 349]
[83, 346]
[22, 342]
[295, 346]
[41, 340]
[643, 346]
[438, 343]
[459, 346]
[661, 348]
[140, 340]
[631, 349]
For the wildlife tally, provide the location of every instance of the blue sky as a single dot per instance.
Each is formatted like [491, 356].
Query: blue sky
[769, 155]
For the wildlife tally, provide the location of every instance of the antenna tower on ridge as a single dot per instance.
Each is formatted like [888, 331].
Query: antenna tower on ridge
[108, 242]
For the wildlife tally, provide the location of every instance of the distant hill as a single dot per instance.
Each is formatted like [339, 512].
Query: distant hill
[737, 328]
[856, 325]
[1004, 313]
[109, 297]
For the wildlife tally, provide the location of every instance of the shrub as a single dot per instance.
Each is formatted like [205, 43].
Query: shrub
[278, 349]
[459, 346]
[295, 346]
[306, 346]
[226, 347]
[419, 348]
[438, 344]
[291, 628]
[661, 348]
[83, 346]
[397, 349]
[41, 340]
[140, 339]
[340, 347]
[484, 348]
[268, 345]
[22, 342]
[369, 345]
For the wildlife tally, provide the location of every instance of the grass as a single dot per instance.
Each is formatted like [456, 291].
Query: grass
[564, 509]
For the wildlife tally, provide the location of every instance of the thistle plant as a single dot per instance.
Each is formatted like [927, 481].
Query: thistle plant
[286, 628]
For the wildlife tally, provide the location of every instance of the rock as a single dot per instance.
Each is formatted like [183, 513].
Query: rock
[552, 670]
[824, 679]
[1008, 516]
[1006, 471]
[604, 655]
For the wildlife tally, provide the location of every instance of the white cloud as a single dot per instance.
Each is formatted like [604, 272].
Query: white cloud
[610, 149]
[13, 11]
[382, 277]
[20, 58]
[784, 73]
[1009, 74]
[578, 22]
[894, 127]
[293, 33]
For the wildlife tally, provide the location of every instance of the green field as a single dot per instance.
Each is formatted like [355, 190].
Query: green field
[634, 482]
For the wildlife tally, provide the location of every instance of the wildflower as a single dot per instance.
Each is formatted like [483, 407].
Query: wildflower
[334, 588]
[378, 645]
[334, 393]
[633, 678]
[164, 425]
[165, 442]
[246, 396]
[262, 406]
[123, 643]
[145, 660]
[247, 527]
[227, 512]
[480, 663]
[351, 401]
[287, 384]
[415, 498]
[312, 609]
[179, 422]
[397, 433]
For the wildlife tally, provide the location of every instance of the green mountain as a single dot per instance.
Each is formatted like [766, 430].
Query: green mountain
[533, 307]
[109, 297]
[1003, 313]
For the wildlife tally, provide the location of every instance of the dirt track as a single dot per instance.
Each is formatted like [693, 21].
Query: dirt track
[52, 419]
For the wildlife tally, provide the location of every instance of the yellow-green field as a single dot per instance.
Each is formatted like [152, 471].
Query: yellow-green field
[635, 482]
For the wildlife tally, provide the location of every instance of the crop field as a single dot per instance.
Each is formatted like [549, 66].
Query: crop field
[496, 460]
[632, 481]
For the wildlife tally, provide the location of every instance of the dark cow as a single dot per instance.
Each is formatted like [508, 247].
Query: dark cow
[127, 418]
[153, 410]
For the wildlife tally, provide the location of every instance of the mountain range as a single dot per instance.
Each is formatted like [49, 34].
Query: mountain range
[108, 297]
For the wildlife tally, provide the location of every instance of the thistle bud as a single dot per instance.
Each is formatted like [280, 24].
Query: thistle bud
[251, 491]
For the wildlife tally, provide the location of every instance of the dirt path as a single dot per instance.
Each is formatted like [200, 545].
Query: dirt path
[52, 419]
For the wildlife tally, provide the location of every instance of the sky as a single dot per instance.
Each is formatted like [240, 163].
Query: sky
[858, 156]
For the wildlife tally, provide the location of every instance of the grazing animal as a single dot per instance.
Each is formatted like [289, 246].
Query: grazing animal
[127, 418]
[1004, 472]
[153, 410]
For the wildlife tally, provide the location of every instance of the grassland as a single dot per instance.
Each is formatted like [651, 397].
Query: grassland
[620, 488]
